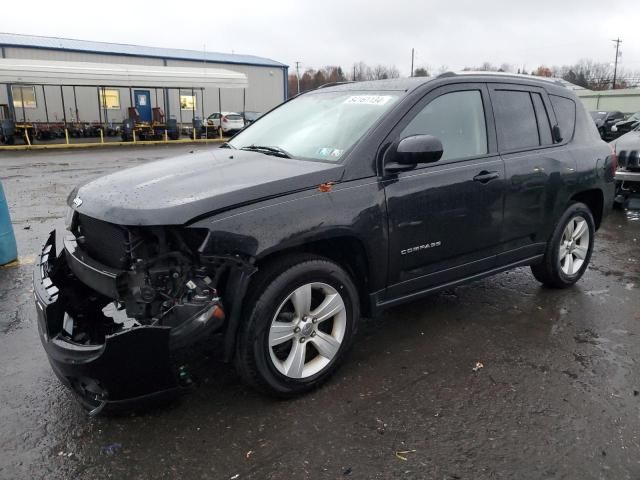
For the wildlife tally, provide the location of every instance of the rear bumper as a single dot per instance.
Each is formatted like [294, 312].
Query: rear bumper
[130, 365]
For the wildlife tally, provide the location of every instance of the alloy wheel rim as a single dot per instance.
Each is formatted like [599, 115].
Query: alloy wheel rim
[574, 245]
[307, 330]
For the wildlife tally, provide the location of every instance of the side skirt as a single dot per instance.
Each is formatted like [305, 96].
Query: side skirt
[377, 306]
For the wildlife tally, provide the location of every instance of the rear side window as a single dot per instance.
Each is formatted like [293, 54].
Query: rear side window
[234, 117]
[565, 110]
[515, 120]
[542, 117]
[457, 119]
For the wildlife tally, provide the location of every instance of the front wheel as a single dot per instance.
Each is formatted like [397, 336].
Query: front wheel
[299, 327]
[569, 249]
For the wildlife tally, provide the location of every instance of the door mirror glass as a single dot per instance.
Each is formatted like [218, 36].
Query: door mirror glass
[418, 149]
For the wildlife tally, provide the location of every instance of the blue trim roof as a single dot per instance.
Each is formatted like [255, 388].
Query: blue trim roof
[71, 45]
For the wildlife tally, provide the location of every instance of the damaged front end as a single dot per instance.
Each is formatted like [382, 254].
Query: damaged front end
[121, 308]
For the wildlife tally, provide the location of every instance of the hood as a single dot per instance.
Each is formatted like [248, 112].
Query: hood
[628, 141]
[176, 190]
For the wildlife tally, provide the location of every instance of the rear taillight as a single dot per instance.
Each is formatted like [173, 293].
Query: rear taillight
[614, 159]
[224, 119]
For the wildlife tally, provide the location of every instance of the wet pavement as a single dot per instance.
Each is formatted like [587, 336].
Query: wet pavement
[558, 394]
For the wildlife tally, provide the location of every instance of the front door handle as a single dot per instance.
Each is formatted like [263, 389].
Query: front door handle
[485, 177]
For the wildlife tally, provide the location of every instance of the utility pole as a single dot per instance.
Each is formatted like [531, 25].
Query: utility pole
[412, 55]
[298, 74]
[617, 41]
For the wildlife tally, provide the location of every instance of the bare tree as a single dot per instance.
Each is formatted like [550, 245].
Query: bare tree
[382, 72]
[361, 71]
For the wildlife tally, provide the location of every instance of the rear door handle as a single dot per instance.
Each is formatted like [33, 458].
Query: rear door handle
[485, 177]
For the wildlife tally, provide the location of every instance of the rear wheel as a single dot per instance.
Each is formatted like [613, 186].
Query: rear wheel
[569, 251]
[299, 327]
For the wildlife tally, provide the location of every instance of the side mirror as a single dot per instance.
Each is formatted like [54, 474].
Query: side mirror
[410, 151]
[557, 134]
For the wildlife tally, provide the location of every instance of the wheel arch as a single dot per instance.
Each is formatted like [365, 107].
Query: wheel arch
[594, 199]
[347, 250]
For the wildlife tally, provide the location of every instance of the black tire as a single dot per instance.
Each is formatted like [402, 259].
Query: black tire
[275, 282]
[549, 272]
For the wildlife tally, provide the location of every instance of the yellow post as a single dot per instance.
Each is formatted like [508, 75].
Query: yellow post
[166, 136]
[66, 135]
[101, 136]
[26, 136]
[134, 135]
[194, 133]
[220, 131]
[206, 134]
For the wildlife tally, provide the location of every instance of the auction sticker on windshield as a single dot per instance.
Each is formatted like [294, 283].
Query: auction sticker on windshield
[368, 99]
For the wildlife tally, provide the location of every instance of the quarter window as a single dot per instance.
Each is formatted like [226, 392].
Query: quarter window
[515, 120]
[23, 95]
[457, 119]
[565, 110]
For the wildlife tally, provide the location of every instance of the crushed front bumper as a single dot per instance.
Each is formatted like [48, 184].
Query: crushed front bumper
[131, 365]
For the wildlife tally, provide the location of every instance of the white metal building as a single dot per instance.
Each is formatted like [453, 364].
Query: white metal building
[266, 81]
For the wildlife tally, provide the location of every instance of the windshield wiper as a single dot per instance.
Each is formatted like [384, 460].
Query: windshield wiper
[227, 145]
[267, 150]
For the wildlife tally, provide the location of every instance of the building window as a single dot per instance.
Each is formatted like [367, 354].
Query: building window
[23, 93]
[110, 98]
[187, 102]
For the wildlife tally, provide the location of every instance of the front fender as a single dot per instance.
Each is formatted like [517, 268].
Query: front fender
[352, 209]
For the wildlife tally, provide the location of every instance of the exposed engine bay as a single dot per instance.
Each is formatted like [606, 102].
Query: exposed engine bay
[160, 278]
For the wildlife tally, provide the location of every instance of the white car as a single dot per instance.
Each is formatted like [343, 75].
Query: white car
[231, 121]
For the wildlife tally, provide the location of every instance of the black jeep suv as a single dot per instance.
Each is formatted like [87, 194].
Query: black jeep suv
[340, 202]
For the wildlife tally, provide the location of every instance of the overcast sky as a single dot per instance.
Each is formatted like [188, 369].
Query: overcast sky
[453, 33]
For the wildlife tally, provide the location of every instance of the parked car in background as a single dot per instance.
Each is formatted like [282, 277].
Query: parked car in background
[250, 117]
[231, 121]
[605, 120]
[628, 173]
[626, 125]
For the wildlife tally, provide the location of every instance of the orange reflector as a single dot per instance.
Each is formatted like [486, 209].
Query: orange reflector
[217, 313]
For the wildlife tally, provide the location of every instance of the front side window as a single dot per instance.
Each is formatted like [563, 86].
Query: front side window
[24, 95]
[187, 102]
[319, 125]
[110, 98]
[457, 120]
[515, 120]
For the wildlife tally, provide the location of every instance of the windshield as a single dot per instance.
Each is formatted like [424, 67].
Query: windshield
[635, 117]
[233, 116]
[319, 125]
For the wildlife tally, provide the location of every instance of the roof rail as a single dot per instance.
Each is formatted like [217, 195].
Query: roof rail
[333, 84]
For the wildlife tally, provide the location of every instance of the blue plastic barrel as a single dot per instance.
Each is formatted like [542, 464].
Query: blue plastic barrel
[8, 248]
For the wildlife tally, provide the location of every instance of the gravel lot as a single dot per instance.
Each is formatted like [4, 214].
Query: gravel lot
[558, 395]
